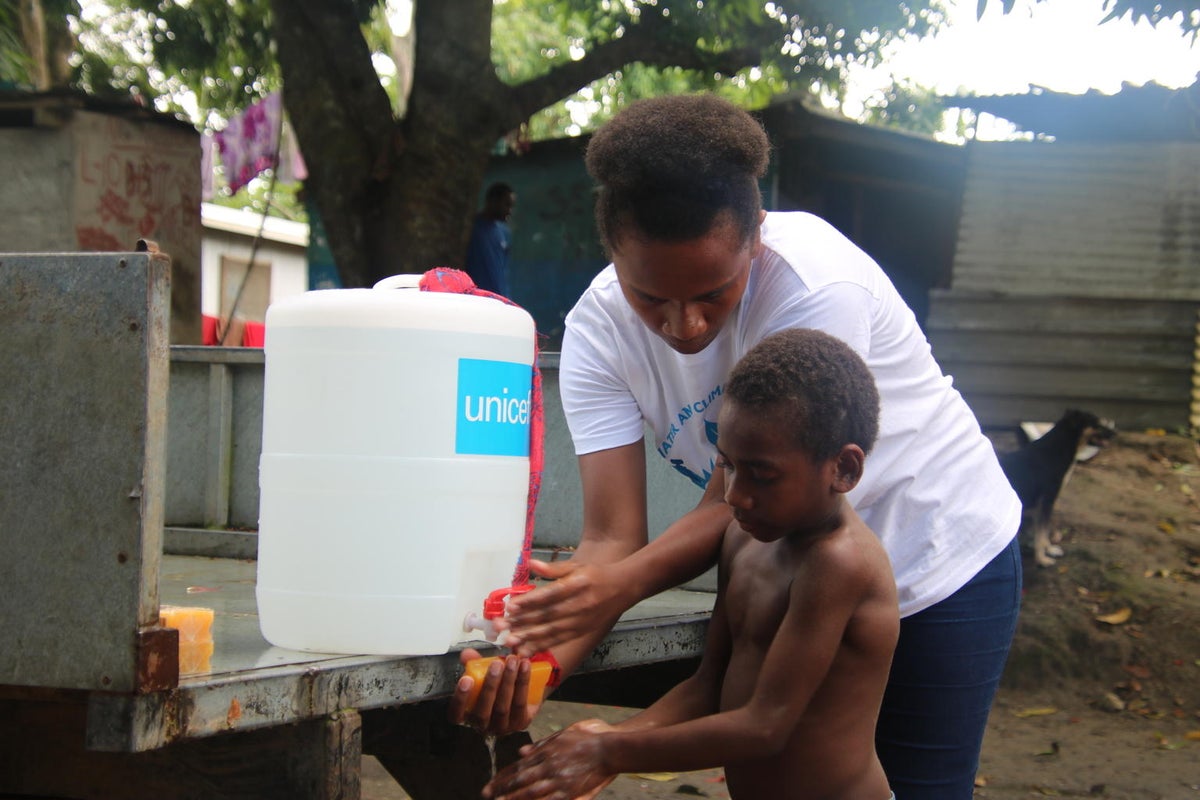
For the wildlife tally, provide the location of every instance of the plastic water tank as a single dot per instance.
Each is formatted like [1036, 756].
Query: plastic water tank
[395, 466]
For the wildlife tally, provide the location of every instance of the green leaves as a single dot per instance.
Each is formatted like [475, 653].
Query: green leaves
[1156, 11]
[221, 54]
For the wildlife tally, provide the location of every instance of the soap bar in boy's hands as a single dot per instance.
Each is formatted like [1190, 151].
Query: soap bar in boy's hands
[195, 636]
[539, 675]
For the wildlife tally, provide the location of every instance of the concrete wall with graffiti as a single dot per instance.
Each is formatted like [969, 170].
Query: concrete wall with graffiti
[79, 179]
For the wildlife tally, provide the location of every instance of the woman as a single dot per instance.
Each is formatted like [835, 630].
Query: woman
[699, 275]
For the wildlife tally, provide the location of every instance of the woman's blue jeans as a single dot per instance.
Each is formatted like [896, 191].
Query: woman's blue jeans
[944, 676]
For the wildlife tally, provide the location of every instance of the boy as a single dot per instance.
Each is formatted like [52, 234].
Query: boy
[806, 616]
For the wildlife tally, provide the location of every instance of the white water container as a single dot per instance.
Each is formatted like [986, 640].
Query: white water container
[395, 466]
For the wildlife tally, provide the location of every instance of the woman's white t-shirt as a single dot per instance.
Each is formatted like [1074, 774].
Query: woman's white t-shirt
[932, 489]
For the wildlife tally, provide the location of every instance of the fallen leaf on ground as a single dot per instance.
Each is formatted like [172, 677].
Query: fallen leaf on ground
[656, 776]
[1192, 736]
[1117, 617]
[1137, 671]
[1166, 744]
[1035, 712]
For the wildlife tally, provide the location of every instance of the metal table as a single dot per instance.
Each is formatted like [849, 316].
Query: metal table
[266, 721]
[254, 685]
[91, 701]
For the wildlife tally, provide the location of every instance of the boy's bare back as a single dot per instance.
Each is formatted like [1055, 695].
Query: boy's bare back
[828, 607]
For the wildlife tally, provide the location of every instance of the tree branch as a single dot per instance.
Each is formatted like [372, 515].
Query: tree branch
[649, 42]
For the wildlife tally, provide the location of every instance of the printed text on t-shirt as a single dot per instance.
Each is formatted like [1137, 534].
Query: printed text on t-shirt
[685, 414]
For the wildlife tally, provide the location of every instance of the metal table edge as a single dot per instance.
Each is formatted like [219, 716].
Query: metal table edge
[209, 705]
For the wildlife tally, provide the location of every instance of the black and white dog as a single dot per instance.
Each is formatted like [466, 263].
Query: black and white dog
[1039, 469]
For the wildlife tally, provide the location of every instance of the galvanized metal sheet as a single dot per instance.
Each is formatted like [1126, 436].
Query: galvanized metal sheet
[1019, 357]
[1097, 220]
[1076, 282]
[81, 459]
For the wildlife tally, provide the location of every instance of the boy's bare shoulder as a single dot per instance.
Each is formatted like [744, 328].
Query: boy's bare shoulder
[735, 539]
[852, 553]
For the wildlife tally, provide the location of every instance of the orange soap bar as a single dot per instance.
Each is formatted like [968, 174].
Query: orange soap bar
[539, 674]
[195, 636]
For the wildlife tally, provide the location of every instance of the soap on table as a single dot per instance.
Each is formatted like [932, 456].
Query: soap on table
[195, 636]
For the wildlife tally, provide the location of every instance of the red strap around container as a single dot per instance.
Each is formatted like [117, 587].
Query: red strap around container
[555, 670]
[445, 279]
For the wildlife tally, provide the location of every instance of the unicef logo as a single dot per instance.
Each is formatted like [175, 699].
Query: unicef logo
[497, 408]
[494, 400]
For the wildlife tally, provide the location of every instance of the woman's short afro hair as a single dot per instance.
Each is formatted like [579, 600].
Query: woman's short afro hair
[668, 166]
[818, 385]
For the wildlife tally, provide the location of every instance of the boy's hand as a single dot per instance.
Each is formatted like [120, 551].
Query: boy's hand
[503, 703]
[582, 599]
[565, 765]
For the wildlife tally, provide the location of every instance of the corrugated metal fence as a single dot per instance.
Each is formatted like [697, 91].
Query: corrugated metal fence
[1076, 282]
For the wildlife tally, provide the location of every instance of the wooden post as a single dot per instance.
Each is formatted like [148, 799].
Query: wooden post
[1194, 416]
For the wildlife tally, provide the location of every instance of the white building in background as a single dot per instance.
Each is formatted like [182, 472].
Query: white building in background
[280, 263]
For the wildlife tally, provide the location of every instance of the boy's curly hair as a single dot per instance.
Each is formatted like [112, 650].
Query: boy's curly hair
[667, 166]
[817, 382]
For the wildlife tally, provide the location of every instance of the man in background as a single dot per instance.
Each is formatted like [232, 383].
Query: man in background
[487, 253]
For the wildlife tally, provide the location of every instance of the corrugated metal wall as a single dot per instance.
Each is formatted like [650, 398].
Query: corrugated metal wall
[1076, 282]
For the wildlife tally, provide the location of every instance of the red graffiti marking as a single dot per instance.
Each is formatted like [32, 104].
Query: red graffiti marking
[114, 207]
[97, 239]
[147, 225]
[134, 191]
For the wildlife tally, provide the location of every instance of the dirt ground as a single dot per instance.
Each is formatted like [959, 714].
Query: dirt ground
[1101, 697]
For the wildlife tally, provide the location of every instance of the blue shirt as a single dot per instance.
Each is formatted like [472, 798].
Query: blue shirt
[487, 254]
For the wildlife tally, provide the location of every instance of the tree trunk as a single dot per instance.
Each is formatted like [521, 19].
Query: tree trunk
[398, 195]
[341, 115]
[32, 22]
[393, 196]
[455, 116]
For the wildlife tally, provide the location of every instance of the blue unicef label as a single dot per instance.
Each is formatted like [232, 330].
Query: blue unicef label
[494, 404]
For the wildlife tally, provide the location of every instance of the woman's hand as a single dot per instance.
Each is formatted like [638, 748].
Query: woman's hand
[583, 599]
[503, 703]
[565, 766]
